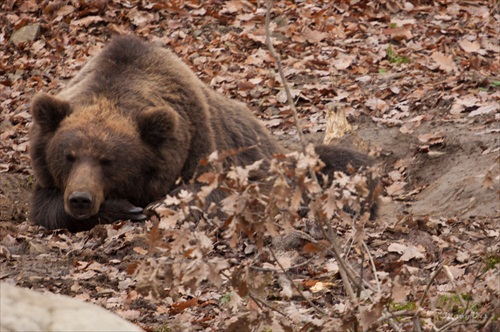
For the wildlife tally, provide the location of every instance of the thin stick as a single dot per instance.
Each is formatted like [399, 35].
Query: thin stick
[261, 303]
[303, 140]
[359, 284]
[450, 324]
[372, 263]
[295, 286]
[422, 299]
[454, 286]
[263, 269]
[332, 237]
[350, 272]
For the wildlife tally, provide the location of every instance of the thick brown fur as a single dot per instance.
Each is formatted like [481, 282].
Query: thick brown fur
[133, 121]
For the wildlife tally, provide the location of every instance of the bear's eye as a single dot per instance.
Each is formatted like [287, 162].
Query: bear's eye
[70, 158]
[105, 162]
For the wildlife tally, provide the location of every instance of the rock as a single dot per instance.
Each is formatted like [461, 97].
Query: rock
[25, 34]
[27, 310]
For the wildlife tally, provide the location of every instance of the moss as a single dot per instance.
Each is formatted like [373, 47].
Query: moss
[491, 261]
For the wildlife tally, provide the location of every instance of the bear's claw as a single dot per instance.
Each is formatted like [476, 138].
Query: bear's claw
[135, 209]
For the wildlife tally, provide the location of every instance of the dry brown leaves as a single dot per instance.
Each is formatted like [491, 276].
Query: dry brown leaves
[402, 64]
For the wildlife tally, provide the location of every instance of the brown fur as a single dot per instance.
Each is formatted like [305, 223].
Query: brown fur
[131, 122]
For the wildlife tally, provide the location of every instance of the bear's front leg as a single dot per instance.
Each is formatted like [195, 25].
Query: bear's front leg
[119, 209]
[47, 210]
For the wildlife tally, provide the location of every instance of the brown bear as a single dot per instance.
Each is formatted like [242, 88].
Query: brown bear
[132, 122]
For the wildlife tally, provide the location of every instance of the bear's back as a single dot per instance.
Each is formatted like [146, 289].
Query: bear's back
[136, 75]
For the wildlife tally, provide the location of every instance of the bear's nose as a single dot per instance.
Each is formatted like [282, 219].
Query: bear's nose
[80, 201]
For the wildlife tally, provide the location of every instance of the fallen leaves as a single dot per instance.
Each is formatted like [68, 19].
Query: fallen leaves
[470, 46]
[396, 188]
[444, 62]
[312, 36]
[486, 109]
[87, 21]
[180, 306]
[399, 33]
[431, 138]
[343, 61]
[407, 252]
[441, 67]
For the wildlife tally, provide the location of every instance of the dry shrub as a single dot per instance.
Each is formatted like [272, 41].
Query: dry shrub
[258, 203]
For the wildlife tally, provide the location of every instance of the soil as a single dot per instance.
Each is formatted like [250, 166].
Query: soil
[420, 82]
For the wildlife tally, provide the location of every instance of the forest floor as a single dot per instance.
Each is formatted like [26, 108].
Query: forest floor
[420, 84]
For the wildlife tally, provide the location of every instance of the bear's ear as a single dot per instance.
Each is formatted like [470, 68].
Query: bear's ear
[156, 125]
[49, 111]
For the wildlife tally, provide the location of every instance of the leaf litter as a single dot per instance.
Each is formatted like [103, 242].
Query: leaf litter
[421, 83]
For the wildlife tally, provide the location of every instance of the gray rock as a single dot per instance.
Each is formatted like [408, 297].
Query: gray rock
[25, 34]
[27, 310]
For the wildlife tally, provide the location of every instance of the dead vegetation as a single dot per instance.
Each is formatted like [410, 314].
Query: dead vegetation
[419, 83]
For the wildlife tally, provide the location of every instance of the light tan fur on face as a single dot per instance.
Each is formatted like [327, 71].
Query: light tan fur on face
[85, 178]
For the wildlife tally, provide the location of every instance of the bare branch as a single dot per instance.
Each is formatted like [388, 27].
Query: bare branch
[303, 140]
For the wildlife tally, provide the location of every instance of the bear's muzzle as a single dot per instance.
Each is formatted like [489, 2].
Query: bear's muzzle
[84, 192]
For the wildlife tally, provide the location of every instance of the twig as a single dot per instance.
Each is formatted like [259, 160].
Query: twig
[400, 313]
[359, 284]
[452, 281]
[295, 286]
[450, 324]
[422, 299]
[258, 301]
[303, 142]
[421, 302]
[416, 318]
[416, 324]
[465, 305]
[261, 303]
[289, 97]
[263, 269]
[350, 272]
[332, 237]
[372, 263]
[394, 326]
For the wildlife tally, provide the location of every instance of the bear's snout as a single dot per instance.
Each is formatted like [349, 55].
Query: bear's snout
[80, 204]
[84, 192]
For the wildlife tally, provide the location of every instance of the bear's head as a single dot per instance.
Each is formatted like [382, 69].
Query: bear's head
[95, 151]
